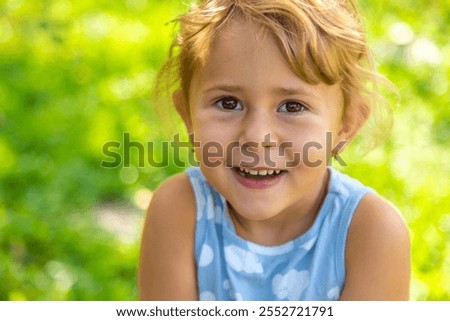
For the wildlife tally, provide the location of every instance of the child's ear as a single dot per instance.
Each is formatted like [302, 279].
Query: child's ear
[182, 107]
[355, 116]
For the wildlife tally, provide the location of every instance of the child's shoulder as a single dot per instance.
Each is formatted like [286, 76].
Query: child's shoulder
[377, 215]
[173, 200]
[375, 219]
[378, 252]
[167, 266]
[178, 182]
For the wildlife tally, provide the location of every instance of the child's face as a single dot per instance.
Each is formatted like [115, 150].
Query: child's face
[245, 91]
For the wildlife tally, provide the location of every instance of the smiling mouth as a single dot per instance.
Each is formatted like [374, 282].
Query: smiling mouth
[261, 174]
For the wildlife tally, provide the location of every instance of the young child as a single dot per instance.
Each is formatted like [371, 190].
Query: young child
[270, 91]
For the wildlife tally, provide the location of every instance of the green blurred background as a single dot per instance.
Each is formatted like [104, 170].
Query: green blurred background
[77, 74]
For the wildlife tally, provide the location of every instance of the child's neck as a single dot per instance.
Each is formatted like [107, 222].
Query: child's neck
[284, 227]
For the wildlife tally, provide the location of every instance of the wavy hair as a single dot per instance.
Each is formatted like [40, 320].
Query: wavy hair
[322, 41]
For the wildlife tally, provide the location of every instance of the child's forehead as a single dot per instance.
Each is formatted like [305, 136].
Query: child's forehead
[305, 42]
[244, 40]
[239, 23]
[245, 58]
[240, 33]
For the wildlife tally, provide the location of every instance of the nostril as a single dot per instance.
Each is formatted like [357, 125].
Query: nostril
[266, 141]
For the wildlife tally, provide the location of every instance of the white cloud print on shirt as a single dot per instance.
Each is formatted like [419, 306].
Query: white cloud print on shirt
[206, 256]
[290, 285]
[241, 260]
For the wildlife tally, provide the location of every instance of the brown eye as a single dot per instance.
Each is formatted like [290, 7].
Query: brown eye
[292, 107]
[229, 103]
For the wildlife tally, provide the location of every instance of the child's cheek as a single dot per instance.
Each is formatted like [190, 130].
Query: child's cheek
[211, 145]
[307, 150]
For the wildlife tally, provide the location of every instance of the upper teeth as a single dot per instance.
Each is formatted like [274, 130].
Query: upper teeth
[262, 172]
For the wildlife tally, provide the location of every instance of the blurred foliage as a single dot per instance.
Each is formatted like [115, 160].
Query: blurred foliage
[77, 74]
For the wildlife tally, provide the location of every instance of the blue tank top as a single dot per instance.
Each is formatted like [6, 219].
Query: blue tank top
[310, 267]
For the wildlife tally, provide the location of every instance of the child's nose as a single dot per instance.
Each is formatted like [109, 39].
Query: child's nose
[258, 127]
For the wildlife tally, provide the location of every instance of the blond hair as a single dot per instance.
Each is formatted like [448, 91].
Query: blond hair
[322, 41]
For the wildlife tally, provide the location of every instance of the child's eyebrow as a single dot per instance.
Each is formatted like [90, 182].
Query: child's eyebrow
[220, 87]
[281, 91]
[294, 91]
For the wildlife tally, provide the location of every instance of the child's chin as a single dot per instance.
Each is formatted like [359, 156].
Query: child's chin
[257, 212]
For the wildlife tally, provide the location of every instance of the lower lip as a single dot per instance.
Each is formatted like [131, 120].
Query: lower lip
[258, 184]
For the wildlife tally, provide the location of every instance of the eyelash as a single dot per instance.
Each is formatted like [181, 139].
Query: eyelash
[219, 103]
[303, 107]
